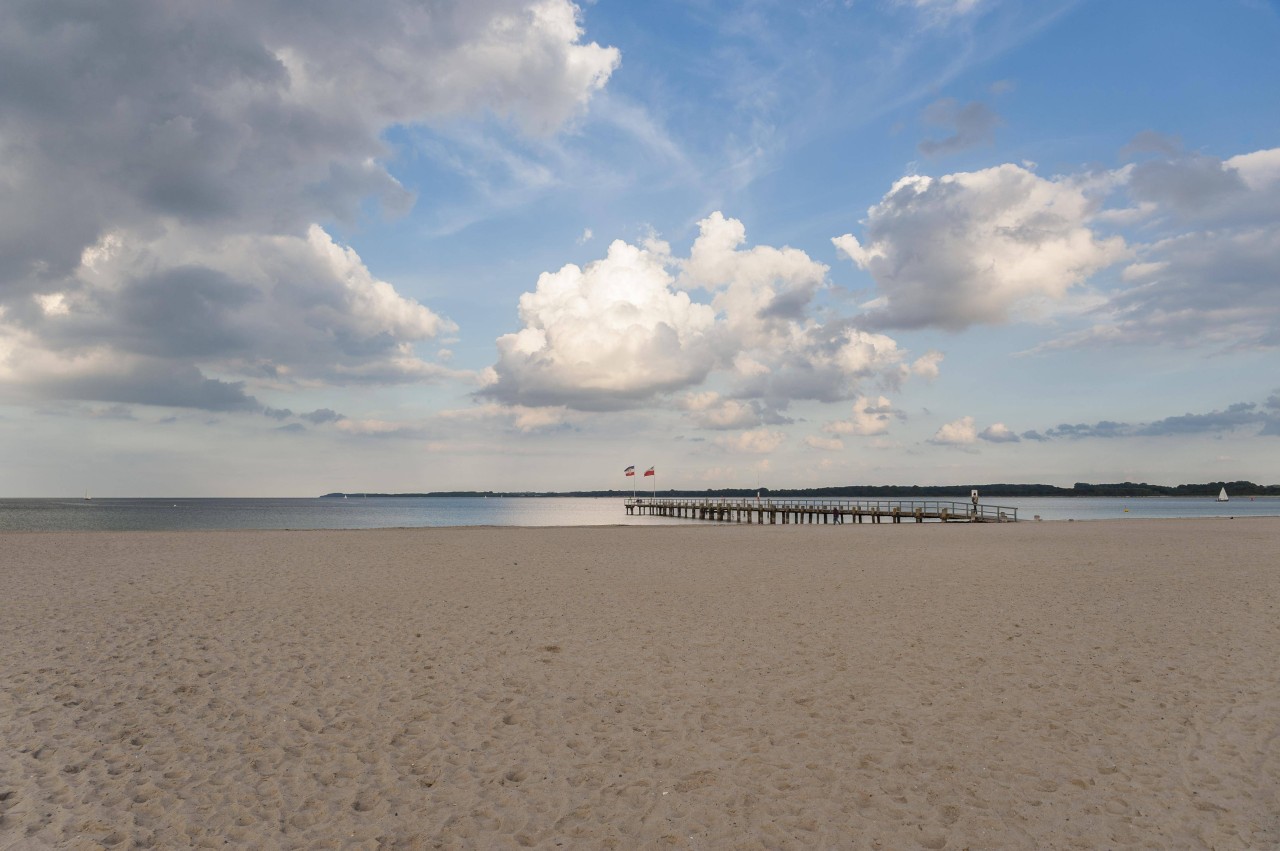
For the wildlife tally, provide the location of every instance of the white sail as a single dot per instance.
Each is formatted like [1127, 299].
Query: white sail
[1222, 496]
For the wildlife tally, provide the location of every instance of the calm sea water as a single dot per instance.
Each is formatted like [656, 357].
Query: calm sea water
[387, 512]
[353, 513]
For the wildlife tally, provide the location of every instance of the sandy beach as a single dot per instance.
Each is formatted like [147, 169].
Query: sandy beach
[1039, 685]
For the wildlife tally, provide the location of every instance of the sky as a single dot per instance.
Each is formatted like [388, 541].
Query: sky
[282, 248]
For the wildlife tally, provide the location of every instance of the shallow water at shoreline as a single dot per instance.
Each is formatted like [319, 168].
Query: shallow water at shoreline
[1120, 508]
[391, 512]
[318, 513]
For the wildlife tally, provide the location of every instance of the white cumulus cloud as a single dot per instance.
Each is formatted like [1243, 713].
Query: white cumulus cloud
[762, 292]
[870, 416]
[627, 329]
[608, 336]
[974, 247]
[998, 433]
[277, 307]
[961, 432]
[153, 320]
[759, 441]
[926, 366]
[710, 410]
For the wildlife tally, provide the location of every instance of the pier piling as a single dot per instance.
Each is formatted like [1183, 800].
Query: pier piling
[754, 511]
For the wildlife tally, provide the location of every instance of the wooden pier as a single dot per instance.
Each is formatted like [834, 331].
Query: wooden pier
[820, 511]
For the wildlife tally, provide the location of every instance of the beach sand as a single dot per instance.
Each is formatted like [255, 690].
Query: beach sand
[1038, 685]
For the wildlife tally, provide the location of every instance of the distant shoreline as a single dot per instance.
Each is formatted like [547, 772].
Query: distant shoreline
[1080, 489]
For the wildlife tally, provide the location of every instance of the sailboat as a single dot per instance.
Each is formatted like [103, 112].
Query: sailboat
[87, 498]
[1222, 496]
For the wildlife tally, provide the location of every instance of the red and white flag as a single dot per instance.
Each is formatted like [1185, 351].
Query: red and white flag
[649, 472]
[631, 471]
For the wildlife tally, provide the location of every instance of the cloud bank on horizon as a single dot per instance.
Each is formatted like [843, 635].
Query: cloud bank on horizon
[223, 227]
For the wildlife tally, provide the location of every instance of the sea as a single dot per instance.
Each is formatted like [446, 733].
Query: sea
[74, 514]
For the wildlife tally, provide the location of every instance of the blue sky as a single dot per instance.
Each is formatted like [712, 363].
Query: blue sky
[282, 248]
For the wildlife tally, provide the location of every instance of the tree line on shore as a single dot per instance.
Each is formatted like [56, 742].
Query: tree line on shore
[1123, 489]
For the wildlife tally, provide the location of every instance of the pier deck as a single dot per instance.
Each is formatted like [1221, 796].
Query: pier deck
[820, 511]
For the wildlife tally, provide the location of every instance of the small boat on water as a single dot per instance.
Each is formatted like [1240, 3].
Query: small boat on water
[1222, 496]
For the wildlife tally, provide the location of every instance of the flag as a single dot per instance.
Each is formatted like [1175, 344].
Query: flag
[649, 472]
[630, 471]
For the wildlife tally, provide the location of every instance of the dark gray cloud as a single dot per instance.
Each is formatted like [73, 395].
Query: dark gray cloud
[163, 166]
[1216, 281]
[301, 308]
[190, 311]
[1151, 142]
[1033, 435]
[1189, 186]
[1235, 416]
[264, 116]
[788, 305]
[1241, 415]
[320, 416]
[154, 383]
[112, 412]
[1103, 428]
[1202, 190]
[115, 116]
[66, 409]
[1216, 288]
[973, 124]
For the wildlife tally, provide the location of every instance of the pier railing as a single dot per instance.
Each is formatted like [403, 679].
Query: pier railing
[825, 511]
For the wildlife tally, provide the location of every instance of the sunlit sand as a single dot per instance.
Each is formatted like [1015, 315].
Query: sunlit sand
[1039, 685]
